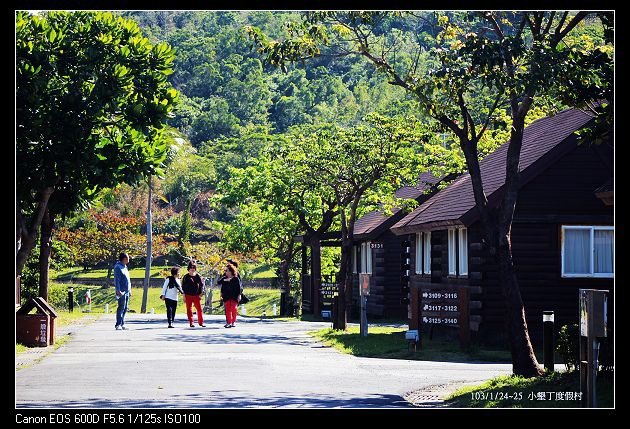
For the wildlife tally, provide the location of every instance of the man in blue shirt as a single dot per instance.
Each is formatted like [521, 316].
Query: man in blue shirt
[122, 282]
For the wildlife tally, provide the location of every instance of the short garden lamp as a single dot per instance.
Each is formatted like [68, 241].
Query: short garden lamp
[70, 298]
[548, 340]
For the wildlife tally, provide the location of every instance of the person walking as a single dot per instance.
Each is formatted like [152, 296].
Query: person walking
[169, 294]
[238, 276]
[192, 284]
[122, 283]
[230, 294]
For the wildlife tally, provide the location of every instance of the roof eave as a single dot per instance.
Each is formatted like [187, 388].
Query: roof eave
[429, 226]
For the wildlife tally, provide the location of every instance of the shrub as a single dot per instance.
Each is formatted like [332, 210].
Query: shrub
[607, 353]
[569, 348]
[58, 296]
[569, 345]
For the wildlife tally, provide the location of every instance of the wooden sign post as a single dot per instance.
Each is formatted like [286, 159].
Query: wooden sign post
[447, 307]
[329, 290]
[364, 284]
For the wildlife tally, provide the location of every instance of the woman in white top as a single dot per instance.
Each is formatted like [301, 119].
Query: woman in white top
[172, 285]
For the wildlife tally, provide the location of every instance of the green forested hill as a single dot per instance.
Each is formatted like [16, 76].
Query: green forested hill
[228, 92]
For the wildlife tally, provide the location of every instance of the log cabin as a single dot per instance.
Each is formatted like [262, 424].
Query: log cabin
[376, 251]
[562, 233]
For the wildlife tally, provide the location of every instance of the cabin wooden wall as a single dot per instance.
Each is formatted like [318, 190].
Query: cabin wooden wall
[385, 293]
[561, 195]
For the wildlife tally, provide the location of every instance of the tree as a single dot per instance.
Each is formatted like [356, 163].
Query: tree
[510, 59]
[91, 98]
[185, 226]
[360, 168]
[106, 235]
[326, 174]
[264, 228]
[210, 257]
[287, 197]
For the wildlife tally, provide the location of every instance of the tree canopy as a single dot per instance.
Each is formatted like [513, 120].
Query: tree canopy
[92, 97]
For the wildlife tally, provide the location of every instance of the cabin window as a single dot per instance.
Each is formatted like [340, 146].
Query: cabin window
[366, 258]
[355, 250]
[587, 251]
[423, 253]
[451, 252]
[463, 252]
[457, 251]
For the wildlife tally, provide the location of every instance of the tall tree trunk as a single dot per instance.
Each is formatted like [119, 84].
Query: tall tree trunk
[345, 281]
[524, 360]
[316, 274]
[285, 266]
[345, 272]
[284, 275]
[28, 234]
[304, 271]
[45, 247]
[497, 226]
[147, 270]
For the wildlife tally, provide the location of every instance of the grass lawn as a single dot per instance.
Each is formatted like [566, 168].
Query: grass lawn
[258, 272]
[78, 273]
[261, 300]
[263, 271]
[510, 391]
[65, 317]
[388, 342]
[20, 348]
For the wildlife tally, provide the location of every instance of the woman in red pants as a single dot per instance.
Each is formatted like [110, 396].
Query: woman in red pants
[230, 294]
[192, 284]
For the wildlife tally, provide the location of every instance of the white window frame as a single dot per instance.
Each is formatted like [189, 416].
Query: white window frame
[366, 258]
[457, 252]
[592, 273]
[452, 247]
[423, 252]
[426, 253]
[418, 253]
[463, 252]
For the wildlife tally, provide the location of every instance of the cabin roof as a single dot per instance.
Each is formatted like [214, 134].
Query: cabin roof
[455, 204]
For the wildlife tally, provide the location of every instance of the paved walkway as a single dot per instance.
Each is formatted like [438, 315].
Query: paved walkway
[259, 363]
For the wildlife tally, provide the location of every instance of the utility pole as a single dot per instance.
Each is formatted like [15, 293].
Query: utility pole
[147, 270]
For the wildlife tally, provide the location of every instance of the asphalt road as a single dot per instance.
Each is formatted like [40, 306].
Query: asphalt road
[259, 363]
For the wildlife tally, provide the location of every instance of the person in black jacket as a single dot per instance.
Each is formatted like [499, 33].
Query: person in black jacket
[238, 275]
[192, 284]
[230, 294]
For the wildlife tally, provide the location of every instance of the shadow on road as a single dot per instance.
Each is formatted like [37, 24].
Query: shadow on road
[214, 333]
[182, 322]
[234, 399]
[234, 338]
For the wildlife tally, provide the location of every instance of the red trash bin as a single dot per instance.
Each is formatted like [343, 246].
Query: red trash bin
[35, 330]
